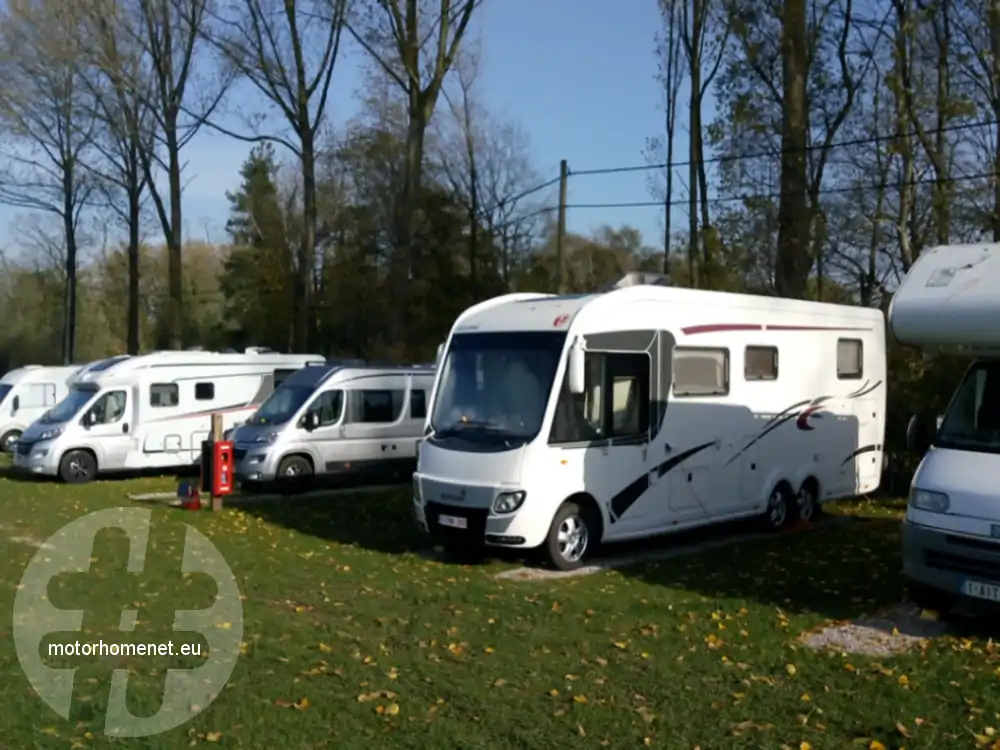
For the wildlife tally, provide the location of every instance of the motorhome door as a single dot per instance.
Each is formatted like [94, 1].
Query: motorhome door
[109, 428]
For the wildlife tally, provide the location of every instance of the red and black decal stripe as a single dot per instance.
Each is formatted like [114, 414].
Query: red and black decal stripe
[861, 451]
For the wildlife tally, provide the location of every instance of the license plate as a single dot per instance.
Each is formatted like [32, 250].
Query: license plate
[979, 590]
[454, 522]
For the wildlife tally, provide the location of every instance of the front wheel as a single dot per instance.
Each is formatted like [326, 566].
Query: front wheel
[294, 472]
[570, 538]
[78, 467]
[8, 441]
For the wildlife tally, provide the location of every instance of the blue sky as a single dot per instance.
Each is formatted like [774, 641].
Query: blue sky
[577, 75]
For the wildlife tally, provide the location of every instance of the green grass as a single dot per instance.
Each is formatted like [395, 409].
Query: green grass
[352, 639]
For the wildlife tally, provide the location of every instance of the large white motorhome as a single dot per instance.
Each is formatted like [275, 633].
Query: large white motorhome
[336, 420]
[25, 394]
[558, 422]
[949, 303]
[149, 412]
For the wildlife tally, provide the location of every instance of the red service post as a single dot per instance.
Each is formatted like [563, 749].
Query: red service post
[222, 476]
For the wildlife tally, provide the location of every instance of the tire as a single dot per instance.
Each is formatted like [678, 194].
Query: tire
[807, 505]
[780, 508]
[571, 536]
[294, 472]
[930, 598]
[78, 467]
[8, 440]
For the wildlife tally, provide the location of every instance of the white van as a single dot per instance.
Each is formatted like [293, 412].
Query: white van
[25, 394]
[149, 412]
[336, 420]
[560, 422]
[949, 303]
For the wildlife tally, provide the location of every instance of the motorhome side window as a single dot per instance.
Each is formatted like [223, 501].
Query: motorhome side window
[204, 391]
[164, 395]
[418, 404]
[110, 408]
[615, 402]
[850, 359]
[760, 363]
[329, 406]
[377, 407]
[38, 395]
[700, 372]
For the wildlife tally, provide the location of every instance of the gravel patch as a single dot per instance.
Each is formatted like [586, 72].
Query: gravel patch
[891, 631]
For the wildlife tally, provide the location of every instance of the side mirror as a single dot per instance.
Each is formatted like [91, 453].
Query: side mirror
[15, 404]
[577, 372]
[919, 434]
[312, 421]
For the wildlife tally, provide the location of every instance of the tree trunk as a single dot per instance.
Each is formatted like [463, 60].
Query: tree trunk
[995, 47]
[69, 298]
[793, 261]
[307, 249]
[174, 239]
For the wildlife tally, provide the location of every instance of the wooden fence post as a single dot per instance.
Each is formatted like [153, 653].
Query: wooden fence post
[216, 438]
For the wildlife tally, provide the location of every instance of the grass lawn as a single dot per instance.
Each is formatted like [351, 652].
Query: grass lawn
[352, 639]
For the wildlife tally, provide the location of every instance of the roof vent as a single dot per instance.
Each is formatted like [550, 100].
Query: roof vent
[638, 278]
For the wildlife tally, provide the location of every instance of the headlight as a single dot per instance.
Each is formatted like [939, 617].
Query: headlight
[268, 438]
[50, 434]
[508, 502]
[935, 502]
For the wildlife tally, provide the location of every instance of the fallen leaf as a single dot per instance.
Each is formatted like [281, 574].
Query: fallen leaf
[392, 709]
[876, 745]
[213, 736]
[901, 728]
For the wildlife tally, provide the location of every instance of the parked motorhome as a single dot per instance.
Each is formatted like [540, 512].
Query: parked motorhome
[25, 394]
[561, 421]
[149, 412]
[336, 420]
[949, 304]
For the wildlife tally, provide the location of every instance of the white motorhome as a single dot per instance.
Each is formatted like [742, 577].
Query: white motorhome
[336, 420]
[149, 412]
[25, 394]
[949, 303]
[558, 422]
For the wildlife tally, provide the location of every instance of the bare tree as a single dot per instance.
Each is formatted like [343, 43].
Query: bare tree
[121, 91]
[397, 34]
[485, 161]
[287, 51]
[45, 109]
[169, 32]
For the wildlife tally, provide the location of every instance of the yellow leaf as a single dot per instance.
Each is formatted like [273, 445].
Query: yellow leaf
[553, 692]
[876, 745]
[790, 668]
[324, 648]
[226, 625]
[489, 650]
[805, 746]
[622, 645]
[301, 705]
[579, 698]
[499, 683]
[901, 728]
[805, 698]
[392, 709]
[213, 736]
[647, 741]
[904, 680]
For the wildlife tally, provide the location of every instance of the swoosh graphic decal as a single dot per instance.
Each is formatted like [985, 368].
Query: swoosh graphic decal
[625, 499]
[861, 451]
[803, 421]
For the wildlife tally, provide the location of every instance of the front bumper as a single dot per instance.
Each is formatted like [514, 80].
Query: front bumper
[947, 560]
[253, 463]
[478, 526]
[36, 458]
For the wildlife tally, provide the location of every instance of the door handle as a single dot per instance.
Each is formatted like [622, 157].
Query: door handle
[384, 446]
[125, 427]
[667, 448]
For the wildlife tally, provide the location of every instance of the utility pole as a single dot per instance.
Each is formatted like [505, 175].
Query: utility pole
[474, 230]
[561, 228]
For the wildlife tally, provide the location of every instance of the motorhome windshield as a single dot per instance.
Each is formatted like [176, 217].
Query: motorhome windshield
[973, 419]
[496, 384]
[282, 405]
[79, 396]
[4, 390]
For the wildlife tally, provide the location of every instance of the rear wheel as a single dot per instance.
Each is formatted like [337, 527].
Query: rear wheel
[8, 441]
[930, 598]
[571, 537]
[78, 467]
[779, 508]
[807, 503]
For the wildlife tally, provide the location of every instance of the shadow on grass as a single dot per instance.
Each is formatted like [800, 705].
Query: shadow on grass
[9, 473]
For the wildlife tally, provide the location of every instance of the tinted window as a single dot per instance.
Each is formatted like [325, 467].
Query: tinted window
[850, 359]
[701, 371]
[615, 402]
[329, 406]
[418, 404]
[281, 375]
[379, 407]
[760, 363]
[164, 394]
[204, 391]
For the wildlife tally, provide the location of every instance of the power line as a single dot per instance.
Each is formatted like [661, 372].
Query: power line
[867, 141]
[843, 190]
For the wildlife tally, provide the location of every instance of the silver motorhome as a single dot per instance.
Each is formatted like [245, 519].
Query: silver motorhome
[335, 420]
